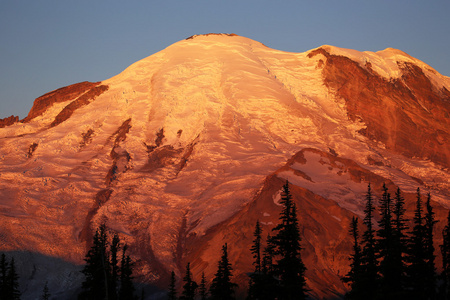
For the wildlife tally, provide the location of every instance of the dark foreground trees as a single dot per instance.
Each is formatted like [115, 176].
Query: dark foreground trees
[190, 286]
[445, 250]
[9, 279]
[355, 275]
[104, 279]
[289, 267]
[172, 295]
[395, 264]
[389, 260]
[222, 288]
[45, 293]
[280, 273]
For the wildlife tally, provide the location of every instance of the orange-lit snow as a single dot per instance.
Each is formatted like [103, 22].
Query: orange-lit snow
[245, 109]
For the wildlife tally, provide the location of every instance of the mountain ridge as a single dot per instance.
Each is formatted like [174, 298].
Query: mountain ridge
[181, 145]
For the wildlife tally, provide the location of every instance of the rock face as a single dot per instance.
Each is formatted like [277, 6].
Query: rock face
[408, 114]
[184, 150]
[324, 222]
[67, 93]
[8, 121]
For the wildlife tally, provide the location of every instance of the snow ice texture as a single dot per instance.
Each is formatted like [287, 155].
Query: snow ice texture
[230, 110]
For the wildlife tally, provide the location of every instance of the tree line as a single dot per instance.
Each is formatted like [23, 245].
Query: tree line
[279, 272]
[107, 275]
[393, 260]
[9, 279]
[388, 261]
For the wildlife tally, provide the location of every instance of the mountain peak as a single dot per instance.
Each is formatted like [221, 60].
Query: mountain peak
[210, 34]
[187, 148]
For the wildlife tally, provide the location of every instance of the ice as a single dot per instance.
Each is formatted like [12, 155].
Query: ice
[232, 112]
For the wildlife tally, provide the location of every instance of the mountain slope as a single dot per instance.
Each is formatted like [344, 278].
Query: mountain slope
[185, 143]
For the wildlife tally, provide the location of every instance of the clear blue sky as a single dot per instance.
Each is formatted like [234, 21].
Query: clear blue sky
[45, 45]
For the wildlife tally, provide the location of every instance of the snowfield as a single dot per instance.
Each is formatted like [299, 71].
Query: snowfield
[183, 140]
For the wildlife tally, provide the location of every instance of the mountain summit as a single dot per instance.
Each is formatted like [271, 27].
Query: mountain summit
[185, 149]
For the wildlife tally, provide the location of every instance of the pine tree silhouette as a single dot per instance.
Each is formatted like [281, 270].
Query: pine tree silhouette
[45, 292]
[256, 248]
[203, 292]
[127, 289]
[97, 269]
[268, 282]
[385, 246]
[355, 274]
[13, 292]
[369, 279]
[256, 277]
[102, 271]
[9, 279]
[172, 295]
[400, 241]
[222, 288]
[268, 254]
[416, 254]
[445, 250]
[286, 241]
[430, 275]
[114, 249]
[4, 267]
[190, 286]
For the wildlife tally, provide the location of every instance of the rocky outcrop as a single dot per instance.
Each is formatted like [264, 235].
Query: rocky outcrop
[86, 138]
[409, 115]
[31, 149]
[63, 94]
[8, 121]
[120, 157]
[81, 101]
[324, 227]
[184, 151]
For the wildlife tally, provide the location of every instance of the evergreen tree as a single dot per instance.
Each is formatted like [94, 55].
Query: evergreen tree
[399, 237]
[126, 290]
[256, 278]
[114, 249]
[222, 288]
[445, 250]
[45, 292]
[4, 267]
[97, 269]
[202, 288]
[289, 266]
[388, 284]
[172, 287]
[430, 275]
[369, 265]
[102, 270]
[266, 280]
[268, 254]
[355, 274]
[13, 292]
[256, 248]
[416, 254]
[190, 286]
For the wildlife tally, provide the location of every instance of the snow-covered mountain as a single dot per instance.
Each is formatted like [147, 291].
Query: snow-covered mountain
[185, 149]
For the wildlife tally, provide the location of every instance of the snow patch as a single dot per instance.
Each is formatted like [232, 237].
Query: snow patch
[328, 181]
[277, 198]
